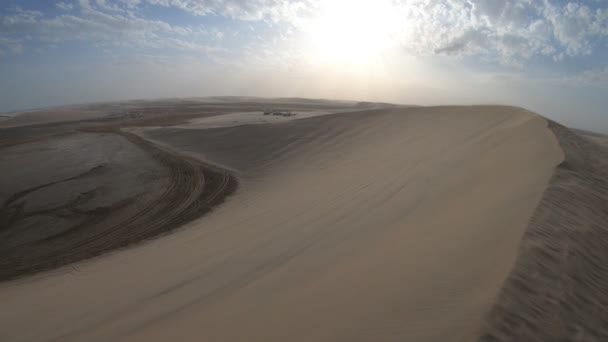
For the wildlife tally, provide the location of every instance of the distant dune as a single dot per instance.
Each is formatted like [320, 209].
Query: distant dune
[351, 222]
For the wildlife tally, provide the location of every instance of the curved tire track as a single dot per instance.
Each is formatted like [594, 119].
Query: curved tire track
[194, 188]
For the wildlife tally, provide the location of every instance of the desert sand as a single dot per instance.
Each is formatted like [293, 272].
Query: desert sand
[366, 223]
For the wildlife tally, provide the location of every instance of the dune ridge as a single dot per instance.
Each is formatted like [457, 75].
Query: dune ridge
[558, 288]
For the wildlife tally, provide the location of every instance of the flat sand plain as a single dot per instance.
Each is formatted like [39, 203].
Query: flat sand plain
[379, 223]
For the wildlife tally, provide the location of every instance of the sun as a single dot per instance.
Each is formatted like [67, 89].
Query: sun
[352, 32]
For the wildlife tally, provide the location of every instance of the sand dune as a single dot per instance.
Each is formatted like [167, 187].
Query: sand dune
[389, 224]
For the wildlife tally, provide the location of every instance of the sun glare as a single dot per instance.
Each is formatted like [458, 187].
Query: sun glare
[352, 32]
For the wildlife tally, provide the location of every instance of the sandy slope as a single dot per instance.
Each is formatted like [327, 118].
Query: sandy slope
[385, 225]
[557, 290]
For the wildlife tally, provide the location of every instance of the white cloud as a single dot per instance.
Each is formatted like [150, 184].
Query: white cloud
[575, 25]
[10, 45]
[518, 29]
[276, 10]
[100, 24]
[65, 6]
[509, 32]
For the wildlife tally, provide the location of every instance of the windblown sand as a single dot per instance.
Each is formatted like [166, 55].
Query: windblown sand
[557, 290]
[396, 224]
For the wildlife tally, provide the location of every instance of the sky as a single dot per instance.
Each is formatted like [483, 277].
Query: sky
[549, 56]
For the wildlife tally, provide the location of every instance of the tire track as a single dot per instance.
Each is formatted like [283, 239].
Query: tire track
[194, 188]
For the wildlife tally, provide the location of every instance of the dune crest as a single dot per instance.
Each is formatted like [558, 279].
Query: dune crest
[558, 287]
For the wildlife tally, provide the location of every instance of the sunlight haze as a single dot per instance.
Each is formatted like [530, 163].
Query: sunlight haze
[547, 56]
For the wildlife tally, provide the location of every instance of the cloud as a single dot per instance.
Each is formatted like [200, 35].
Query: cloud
[100, 24]
[10, 46]
[510, 31]
[275, 10]
[64, 6]
[575, 25]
